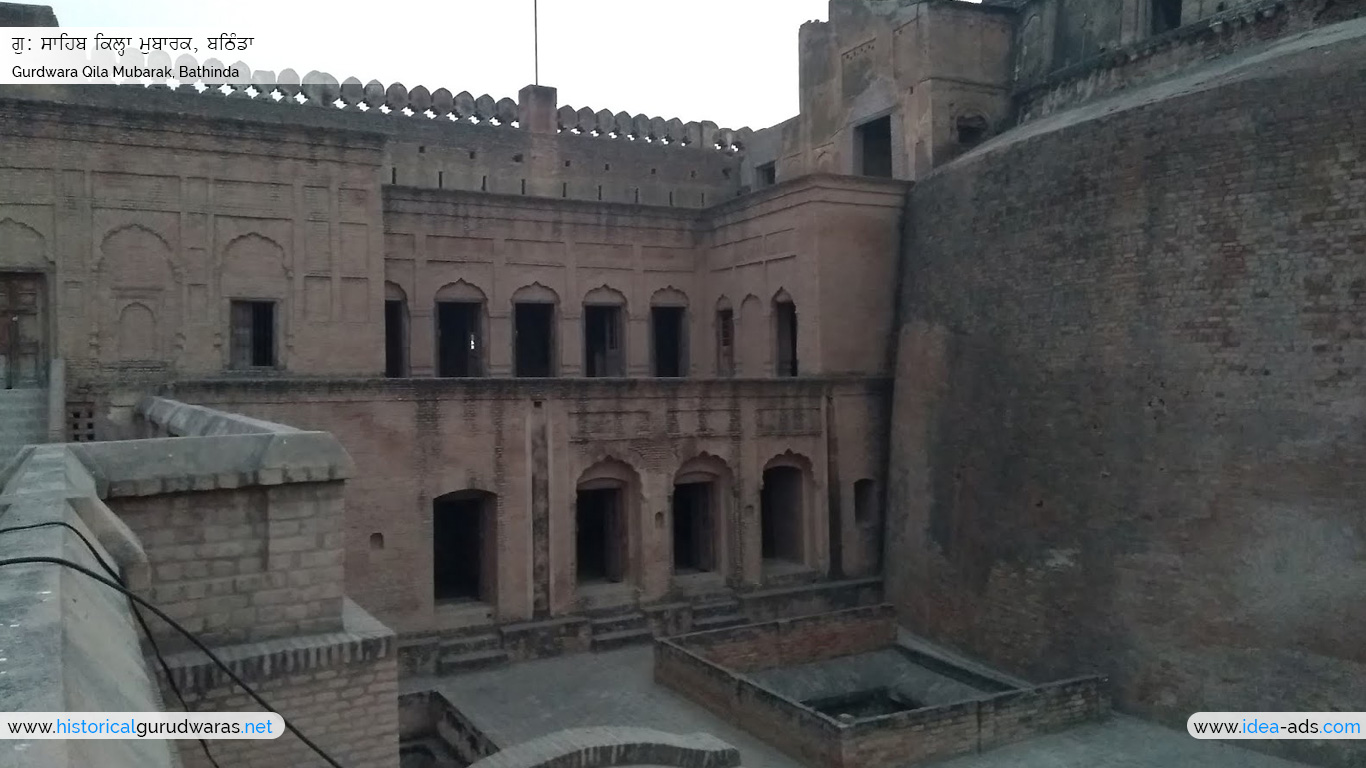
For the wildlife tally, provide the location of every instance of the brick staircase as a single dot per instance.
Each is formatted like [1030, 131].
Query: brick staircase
[469, 653]
[23, 420]
[618, 630]
[720, 613]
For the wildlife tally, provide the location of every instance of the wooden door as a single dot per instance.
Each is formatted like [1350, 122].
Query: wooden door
[22, 360]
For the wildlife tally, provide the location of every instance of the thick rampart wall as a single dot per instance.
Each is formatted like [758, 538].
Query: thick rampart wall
[1128, 405]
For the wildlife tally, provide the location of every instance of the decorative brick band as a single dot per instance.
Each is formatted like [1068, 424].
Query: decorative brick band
[606, 747]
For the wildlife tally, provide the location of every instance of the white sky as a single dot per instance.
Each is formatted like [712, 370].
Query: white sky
[732, 62]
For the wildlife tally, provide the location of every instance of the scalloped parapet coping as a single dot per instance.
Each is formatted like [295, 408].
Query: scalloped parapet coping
[657, 130]
[320, 89]
[608, 747]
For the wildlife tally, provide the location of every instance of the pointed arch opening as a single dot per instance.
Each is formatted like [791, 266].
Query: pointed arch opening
[701, 492]
[395, 331]
[604, 507]
[725, 338]
[461, 328]
[534, 341]
[785, 334]
[669, 333]
[604, 333]
[783, 510]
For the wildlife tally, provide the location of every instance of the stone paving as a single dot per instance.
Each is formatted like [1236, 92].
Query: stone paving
[532, 699]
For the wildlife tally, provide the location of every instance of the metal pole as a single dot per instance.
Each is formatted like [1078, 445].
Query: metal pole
[536, 40]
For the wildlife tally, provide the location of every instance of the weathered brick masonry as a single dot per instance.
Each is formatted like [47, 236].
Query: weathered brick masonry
[710, 667]
[1127, 420]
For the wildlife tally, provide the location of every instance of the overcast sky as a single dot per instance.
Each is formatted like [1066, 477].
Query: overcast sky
[731, 62]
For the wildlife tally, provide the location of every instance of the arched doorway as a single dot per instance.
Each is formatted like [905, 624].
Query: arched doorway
[603, 508]
[464, 547]
[699, 510]
[782, 512]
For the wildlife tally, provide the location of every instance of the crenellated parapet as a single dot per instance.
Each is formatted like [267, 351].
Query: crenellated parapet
[655, 130]
[323, 90]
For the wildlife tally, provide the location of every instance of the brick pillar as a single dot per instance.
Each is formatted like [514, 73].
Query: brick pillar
[536, 108]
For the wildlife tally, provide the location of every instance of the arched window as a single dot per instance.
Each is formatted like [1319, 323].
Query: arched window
[533, 337]
[785, 333]
[395, 331]
[461, 309]
[725, 338]
[604, 333]
[669, 333]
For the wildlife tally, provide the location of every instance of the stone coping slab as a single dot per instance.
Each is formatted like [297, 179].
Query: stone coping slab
[608, 746]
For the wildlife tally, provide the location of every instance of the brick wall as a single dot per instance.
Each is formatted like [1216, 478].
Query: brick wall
[1127, 420]
[803, 640]
[708, 668]
[242, 564]
[349, 710]
[415, 440]
[798, 731]
[973, 726]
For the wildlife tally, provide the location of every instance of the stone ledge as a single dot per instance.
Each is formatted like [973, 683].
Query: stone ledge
[183, 420]
[69, 642]
[154, 466]
[604, 747]
[362, 639]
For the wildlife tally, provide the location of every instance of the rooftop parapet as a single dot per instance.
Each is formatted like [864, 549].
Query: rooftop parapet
[322, 90]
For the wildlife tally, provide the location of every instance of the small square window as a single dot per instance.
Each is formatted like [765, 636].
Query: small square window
[765, 175]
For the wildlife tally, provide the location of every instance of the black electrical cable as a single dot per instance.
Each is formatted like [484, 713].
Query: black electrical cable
[137, 613]
[187, 633]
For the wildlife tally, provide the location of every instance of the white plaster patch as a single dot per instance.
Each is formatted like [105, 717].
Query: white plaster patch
[1058, 559]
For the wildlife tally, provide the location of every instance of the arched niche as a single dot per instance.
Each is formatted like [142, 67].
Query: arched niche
[785, 507]
[136, 333]
[22, 247]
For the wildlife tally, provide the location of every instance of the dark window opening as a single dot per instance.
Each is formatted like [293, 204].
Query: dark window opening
[253, 334]
[694, 526]
[463, 544]
[459, 339]
[765, 175]
[972, 129]
[780, 514]
[600, 535]
[668, 326]
[1166, 15]
[785, 316]
[602, 342]
[395, 339]
[865, 501]
[534, 340]
[725, 342]
[874, 140]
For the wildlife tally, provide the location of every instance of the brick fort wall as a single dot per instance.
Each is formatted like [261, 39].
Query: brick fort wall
[1127, 419]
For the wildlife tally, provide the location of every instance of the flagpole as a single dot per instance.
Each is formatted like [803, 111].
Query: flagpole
[536, 39]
